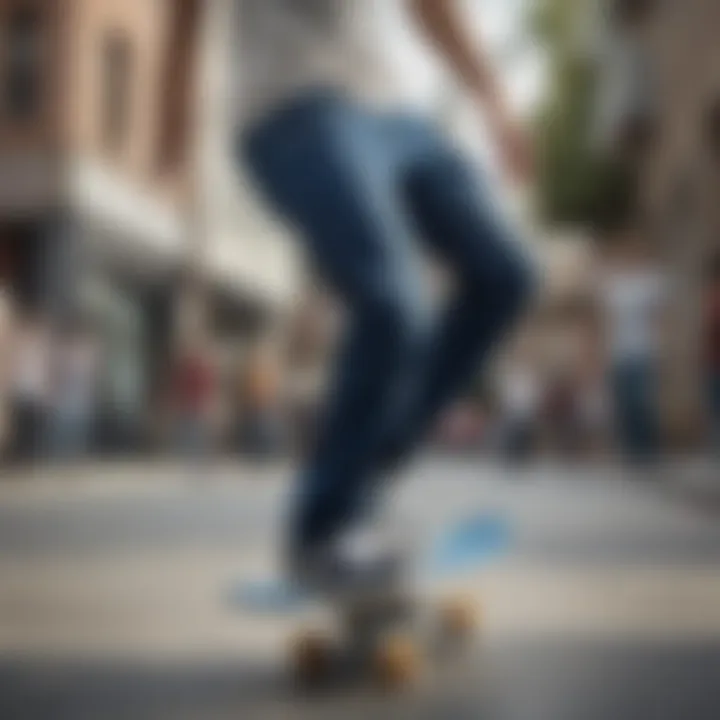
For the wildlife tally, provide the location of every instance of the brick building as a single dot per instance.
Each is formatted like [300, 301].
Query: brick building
[109, 120]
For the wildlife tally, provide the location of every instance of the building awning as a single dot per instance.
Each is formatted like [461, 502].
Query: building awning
[128, 221]
[29, 183]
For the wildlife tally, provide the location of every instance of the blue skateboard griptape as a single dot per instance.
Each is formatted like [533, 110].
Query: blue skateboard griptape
[468, 544]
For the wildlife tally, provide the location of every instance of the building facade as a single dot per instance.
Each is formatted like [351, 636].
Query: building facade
[246, 253]
[660, 108]
[113, 182]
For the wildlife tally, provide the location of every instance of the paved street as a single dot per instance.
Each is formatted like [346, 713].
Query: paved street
[114, 583]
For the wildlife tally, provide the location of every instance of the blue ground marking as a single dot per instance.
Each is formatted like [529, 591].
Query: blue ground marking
[472, 542]
[271, 596]
[469, 544]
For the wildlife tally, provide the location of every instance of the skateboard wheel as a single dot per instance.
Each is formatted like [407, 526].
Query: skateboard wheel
[311, 658]
[458, 618]
[397, 663]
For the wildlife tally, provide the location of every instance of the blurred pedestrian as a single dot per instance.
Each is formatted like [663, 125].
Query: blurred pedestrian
[6, 340]
[193, 389]
[29, 387]
[593, 413]
[313, 328]
[560, 413]
[633, 297]
[561, 387]
[73, 398]
[262, 432]
[712, 324]
[520, 396]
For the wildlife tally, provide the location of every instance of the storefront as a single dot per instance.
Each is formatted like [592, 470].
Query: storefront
[20, 261]
[118, 321]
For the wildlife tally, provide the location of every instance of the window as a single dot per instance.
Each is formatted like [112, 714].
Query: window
[23, 63]
[631, 13]
[116, 92]
[638, 136]
[174, 116]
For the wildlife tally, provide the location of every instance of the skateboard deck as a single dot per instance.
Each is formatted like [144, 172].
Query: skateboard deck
[389, 638]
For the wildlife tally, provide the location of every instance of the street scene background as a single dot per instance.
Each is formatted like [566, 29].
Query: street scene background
[164, 354]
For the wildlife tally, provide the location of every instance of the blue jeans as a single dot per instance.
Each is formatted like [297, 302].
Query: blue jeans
[70, 434]
[635, 398]
[365, 190]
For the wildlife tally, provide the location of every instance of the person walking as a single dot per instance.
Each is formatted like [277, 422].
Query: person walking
[712, 324]
[520, 400]
[633, 297]
[194, 387]
[75, 364]
[6, 327]
[262, 419]
[30, 388]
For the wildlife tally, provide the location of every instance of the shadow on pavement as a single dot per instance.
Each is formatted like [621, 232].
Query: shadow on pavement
[516, 680]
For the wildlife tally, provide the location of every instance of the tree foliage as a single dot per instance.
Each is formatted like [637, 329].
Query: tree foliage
[578, 184]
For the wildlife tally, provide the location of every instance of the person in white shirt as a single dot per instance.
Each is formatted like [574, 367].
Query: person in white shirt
[333, 116]
[633, 295]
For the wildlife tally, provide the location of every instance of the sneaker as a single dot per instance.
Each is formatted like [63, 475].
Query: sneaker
[357, 567]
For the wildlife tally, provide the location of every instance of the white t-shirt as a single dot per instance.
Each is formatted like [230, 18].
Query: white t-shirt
[633, 301]
[369, 48]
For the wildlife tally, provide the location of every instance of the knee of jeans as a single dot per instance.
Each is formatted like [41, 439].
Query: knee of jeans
[510, 283]
[521, 283]
[399, 319]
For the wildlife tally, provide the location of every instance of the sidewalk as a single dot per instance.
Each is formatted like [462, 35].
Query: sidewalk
[696, 477]
[134, 561]
[133, 476]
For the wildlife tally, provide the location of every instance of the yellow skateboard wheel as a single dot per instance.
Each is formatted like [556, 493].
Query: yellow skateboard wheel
[397, 662]
[458, 618]
[312, 657]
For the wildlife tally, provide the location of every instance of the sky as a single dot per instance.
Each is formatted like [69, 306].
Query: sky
[502, 24]
[519, 60]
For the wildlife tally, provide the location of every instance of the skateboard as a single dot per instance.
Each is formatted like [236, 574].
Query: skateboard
[391, 639]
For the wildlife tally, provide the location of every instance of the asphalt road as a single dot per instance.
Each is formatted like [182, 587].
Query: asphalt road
[112, 588]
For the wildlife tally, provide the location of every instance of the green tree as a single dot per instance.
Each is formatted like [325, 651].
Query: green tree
[578, 184]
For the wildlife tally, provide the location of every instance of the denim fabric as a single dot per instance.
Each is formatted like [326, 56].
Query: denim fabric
[635, 399]
[366, 191]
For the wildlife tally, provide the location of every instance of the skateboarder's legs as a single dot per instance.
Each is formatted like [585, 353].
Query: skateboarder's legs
[324, 163]
[359, 187]
[457, 217]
